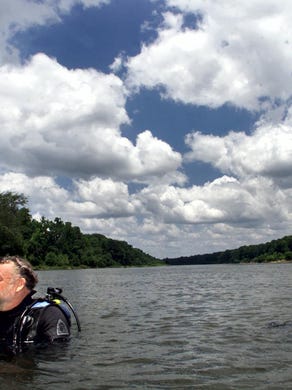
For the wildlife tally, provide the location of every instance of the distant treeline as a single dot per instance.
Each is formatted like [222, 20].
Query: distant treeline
[275, 250]
[58, 244]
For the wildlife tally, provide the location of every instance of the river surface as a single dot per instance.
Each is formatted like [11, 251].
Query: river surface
[189, 327]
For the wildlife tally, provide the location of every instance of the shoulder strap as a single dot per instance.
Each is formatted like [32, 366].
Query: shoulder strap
[40, 304]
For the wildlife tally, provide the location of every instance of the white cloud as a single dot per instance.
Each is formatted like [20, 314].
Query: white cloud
[99, 198]
[154, 156]
[92, 199]
[61, 121]
[266, 152]
[164, 220]
[45, 197]
[238, 53]
[225, 200]
[226, 213]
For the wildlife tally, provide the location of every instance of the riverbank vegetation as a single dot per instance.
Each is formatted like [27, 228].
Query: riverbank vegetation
[58, 244]
[274, 251]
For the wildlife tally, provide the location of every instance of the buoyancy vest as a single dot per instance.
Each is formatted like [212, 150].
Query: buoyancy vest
[22, 327]
[26, 325]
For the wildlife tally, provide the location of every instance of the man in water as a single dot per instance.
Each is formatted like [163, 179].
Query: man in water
[23, 319]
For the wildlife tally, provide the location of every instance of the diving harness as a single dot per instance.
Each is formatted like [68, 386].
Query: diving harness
[53, 296]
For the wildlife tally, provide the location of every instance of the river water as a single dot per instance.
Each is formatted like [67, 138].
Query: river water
[189, 327]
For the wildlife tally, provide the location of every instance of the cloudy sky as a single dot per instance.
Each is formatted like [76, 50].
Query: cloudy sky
[165, 123]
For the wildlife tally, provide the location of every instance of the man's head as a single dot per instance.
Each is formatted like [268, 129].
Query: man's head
[17, 280]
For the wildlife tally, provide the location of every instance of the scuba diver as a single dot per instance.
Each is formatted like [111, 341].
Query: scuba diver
[25, 320]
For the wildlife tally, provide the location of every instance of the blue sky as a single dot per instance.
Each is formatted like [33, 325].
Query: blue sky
[164, 123]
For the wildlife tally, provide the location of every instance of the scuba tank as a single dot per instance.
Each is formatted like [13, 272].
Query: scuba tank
[54, 295]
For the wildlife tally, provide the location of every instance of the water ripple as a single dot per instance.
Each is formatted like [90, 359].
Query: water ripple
[200, 327]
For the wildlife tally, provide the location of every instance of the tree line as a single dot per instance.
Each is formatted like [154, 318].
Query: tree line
[275, 250]
[58, 244]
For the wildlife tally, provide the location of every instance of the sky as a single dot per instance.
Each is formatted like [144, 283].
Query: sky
[163, 123]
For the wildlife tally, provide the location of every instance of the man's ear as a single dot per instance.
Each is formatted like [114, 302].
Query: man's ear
[20, 284]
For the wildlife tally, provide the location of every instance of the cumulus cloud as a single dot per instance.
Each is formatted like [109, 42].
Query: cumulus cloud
[60, 121]
[225, 200]
[236, 53]
[95, 198]
[266, 152]
[164, 220]
[103, 198]
[44, 195]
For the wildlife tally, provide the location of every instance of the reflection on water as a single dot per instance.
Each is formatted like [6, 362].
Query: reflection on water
[194, 327]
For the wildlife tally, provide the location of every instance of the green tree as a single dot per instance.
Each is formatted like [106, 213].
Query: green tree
[14, 222]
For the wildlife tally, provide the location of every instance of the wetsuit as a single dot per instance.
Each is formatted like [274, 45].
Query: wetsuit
[43, 323]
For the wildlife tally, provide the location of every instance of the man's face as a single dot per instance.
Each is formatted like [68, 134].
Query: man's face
[8, 282]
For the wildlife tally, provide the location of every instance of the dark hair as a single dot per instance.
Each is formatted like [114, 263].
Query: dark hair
[24, 268]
